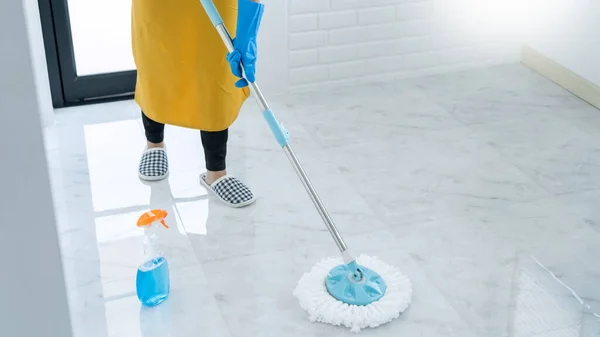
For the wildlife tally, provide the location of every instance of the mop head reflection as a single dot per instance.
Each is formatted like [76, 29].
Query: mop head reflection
[330, 295]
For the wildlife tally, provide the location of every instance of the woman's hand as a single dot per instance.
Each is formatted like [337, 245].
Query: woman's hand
[245, 47]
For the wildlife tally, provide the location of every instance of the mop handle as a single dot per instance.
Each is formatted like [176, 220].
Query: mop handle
[280, 134]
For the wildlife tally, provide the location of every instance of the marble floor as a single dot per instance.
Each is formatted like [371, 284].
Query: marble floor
[482, 186]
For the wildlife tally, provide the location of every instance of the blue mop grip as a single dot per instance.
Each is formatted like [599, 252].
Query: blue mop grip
[213, 13]
[281, 134]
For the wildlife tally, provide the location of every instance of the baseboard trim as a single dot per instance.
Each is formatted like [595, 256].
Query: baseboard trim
[560, 75]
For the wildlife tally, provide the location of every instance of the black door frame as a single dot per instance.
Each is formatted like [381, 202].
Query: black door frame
[66, 86]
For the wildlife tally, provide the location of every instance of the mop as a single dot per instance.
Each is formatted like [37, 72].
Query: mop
[357, 293]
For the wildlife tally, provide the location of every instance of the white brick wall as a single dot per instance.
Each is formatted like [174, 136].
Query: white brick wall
[354, 41]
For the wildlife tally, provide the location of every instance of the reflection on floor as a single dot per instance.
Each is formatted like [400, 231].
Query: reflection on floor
[482, 186]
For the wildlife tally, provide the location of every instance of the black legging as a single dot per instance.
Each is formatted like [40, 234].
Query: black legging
[214, 143]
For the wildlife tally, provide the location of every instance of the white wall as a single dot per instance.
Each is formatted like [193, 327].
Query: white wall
[33, 301]
[272, 64]
[335, 42]
[568, 32]
[36, 43]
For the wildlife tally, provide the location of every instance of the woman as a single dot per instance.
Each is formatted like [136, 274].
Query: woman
[186, 78]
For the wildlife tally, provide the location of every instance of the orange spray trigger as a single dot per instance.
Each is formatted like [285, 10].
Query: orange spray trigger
[152, 216]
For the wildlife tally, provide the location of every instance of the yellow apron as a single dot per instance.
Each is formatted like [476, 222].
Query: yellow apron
[183, 76]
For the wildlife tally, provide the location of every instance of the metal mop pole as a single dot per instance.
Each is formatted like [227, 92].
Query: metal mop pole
[281, 135]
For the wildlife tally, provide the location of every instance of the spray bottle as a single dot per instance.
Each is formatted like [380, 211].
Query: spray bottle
[152, 282]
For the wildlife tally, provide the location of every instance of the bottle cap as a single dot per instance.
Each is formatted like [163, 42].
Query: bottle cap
[151, 217]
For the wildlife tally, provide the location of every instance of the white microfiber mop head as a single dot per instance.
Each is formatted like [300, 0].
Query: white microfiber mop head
[313, 296]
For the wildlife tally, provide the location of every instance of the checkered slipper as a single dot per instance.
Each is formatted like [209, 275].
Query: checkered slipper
[230, 191]
[154, 164]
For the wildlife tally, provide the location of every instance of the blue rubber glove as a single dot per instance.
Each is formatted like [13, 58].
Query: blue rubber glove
[245, 48]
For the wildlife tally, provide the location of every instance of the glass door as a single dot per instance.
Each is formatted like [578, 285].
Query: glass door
[93, 45]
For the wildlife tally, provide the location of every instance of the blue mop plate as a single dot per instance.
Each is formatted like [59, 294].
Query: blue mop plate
[342, 284]
[328, 291]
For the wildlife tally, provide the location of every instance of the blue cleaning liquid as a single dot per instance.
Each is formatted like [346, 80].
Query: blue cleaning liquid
[153, 284]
